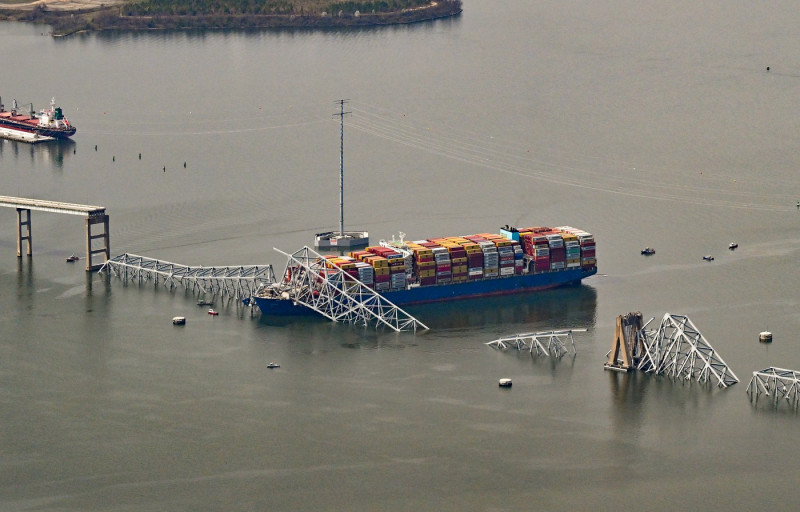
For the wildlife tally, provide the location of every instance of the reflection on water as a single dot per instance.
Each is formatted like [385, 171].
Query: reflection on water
[561, 308]
[24, 279]
[51, 153]
[640, 399]
[173, 36]
[771, 405]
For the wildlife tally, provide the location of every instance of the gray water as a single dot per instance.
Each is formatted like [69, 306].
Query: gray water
[644, 123]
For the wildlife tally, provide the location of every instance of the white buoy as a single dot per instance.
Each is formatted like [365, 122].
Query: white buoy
[505, 383]
[765, 337]
[179, 320]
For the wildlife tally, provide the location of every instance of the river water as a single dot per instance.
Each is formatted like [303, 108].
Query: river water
[646, 124]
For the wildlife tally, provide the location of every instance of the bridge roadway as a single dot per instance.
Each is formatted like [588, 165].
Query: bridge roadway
[93, 214]
[51, 206]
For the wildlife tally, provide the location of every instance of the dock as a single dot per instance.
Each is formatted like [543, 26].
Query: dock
[19, 136]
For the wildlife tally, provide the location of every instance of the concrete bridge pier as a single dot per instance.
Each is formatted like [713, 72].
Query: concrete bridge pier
[23, 235]
[94, 215]
[105, 249]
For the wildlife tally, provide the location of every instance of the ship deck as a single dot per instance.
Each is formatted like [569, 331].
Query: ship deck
[19, 118]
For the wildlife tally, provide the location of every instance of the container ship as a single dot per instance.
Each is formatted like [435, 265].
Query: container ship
[49, 124]
[459, 267]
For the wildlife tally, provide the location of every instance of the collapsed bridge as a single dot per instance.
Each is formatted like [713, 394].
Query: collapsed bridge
[306, 281]
[675, 349]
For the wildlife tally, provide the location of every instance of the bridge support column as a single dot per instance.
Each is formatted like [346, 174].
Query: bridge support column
[105, 249]
[624, 347]
[26, 235]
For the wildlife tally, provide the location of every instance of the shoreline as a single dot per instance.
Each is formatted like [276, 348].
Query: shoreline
[75, 16]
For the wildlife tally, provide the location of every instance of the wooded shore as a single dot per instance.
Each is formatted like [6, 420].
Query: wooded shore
[228, 14]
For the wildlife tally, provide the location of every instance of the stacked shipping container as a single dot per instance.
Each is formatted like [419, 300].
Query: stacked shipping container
[438, 261]
[588, 256]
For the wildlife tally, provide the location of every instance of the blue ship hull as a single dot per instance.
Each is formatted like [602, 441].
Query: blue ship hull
[449, 292]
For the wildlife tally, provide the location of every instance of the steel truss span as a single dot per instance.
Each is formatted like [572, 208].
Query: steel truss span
[677, 349]
[776, 383]
[336, 295]
[235, 282]
[547, 343]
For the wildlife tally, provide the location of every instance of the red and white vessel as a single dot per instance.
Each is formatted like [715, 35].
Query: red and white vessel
[49, 124]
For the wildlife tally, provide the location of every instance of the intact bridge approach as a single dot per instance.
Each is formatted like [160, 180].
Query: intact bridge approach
[94, 216]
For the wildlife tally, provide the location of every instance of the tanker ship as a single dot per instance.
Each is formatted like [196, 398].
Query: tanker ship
[459, 267]
[48, 125]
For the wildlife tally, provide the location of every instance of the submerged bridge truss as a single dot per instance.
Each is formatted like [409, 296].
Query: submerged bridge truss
[336, 295]
[547, 343]
[675, 349]
[776, 383]
[236, 282]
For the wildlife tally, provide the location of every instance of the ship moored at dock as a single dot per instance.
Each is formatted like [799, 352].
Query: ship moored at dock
[49, 124]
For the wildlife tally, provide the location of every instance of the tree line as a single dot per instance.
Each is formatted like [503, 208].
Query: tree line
[239, 14]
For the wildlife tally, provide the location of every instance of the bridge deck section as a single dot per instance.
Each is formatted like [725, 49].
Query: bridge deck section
[52, 206]
[239, 282]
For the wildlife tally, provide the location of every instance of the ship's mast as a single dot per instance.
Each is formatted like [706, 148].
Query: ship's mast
[341, 165]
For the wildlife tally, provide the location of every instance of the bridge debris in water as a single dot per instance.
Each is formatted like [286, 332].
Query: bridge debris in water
[628, 343]
[675, 349]
[336, 295]
[236, 282]
[776, 383]
[547, 343]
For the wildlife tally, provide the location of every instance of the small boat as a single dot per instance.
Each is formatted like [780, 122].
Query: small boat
[647, 251]
[212, 312]
[72, 259]
[765, 337]
[733, 245]
[273, 365]
[204, 302]
[178, 320]
[504, 383]
[708, 257]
